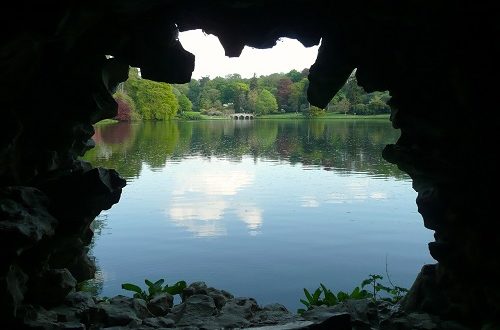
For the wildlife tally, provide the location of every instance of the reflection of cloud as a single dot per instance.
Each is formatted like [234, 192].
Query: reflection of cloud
[356, 191]
[337, 198]
[200, 218]
[378, 195]
[202, 228]
[252, 216]
[204, 210]
[309, 201]
[199, 199]
[213, 182]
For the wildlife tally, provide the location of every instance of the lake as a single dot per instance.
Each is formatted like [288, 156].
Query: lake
[260, 208]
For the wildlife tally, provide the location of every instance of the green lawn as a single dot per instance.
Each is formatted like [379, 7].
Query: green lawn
[107, 122]
[328, 115]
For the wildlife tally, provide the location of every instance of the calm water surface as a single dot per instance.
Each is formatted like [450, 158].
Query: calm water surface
[260, 208]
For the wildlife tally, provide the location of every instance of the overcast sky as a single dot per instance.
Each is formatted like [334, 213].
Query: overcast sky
[210, 60]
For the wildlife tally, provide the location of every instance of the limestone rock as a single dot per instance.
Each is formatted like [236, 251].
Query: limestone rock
[161, 304]
[159, 322]
[80, 300]
[273, 314]
[24, 218]
[243, 307]
[197, 310]
[52, 286]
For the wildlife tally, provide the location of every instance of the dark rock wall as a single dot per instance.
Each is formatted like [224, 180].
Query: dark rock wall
[436, 58]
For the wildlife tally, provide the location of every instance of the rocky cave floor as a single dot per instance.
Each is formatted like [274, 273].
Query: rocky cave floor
[209, 308]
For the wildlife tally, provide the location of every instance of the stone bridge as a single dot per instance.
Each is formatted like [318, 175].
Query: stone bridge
[242, 116]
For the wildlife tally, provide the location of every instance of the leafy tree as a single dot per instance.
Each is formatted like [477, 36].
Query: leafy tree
[342, 106]
[210, 98]
[377, 106]
[313, 111]
[298, 96]
[294, 75]
[253, 83]
[284, 91]
[194, 93]
[353, 92]
[155, 100]
[266, 103]
[126, 107]
[185, 104]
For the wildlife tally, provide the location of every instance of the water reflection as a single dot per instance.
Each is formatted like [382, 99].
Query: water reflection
[343, 146]
[209, 188]
[261, 208]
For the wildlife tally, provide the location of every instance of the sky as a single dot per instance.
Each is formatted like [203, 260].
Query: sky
[210, 60]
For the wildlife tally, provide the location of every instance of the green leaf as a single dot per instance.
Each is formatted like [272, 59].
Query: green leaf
[366, 282]
[365, 294]
[300, 311]
[177, 288]
[316, 295]
[131, 287]
[380, 287]
[355, 293]
[305, 303]
[159, 283]
[308, 295]
[342, 296]
[148, 283]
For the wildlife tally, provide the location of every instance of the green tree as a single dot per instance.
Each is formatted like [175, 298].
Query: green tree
[184, 103]
[313, 111]
[353, 92]
[266, 103]
[342, 106]
[295, 75]
[377, 106]
[210, 98]
[194, 94]
[155, 100]
[298, 96]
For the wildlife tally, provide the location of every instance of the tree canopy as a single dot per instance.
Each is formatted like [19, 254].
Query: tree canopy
[277, 92]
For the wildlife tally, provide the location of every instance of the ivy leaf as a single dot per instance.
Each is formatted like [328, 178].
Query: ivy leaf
[131, 287]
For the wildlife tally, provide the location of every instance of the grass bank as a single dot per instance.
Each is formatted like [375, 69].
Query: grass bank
[107, 122]
[328, 115]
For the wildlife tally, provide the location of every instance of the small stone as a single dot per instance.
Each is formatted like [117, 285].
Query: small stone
[72, 326]
[160, 304]
[159, 322]
[52, 286]
[80, 300]
[275, 308]
[243, 307]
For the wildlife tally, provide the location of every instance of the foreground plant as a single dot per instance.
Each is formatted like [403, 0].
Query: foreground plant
[324, 296]
[155, 289]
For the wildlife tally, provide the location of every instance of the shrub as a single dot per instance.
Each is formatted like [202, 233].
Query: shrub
[126, 107]
[191, 115]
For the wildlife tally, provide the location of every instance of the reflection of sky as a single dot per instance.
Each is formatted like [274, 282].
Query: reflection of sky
[200, 199]
[262, 229]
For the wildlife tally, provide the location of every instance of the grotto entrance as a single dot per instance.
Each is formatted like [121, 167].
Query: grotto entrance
[431, 62]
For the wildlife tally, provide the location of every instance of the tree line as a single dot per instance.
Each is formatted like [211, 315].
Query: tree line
[139, 98]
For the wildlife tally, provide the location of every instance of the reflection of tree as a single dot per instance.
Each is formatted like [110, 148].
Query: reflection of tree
[345, 145]
[156, 142]
[95, 285]
[119, 133]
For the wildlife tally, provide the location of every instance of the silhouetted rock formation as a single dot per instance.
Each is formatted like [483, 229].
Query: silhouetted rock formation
[434, 57]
